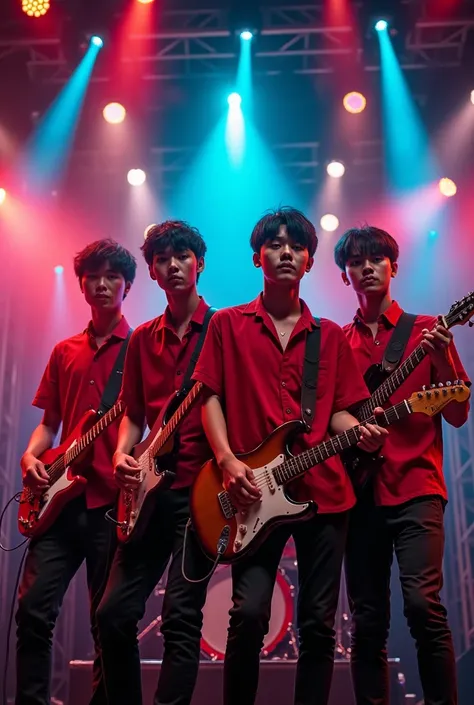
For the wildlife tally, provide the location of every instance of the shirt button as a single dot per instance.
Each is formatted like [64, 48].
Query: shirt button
[91, 381]
[283, 384]
[178, 372]
[377, 342]
[288, 411]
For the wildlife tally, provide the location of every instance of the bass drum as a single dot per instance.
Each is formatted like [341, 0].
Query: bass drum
[219, 602]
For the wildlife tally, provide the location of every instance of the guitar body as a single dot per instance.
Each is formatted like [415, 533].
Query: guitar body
[135, 506]
[215, 519]
[37, 512]
[375, 376]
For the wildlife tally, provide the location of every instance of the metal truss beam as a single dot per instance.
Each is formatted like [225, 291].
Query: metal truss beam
[200, 43]
[10, 390]
[459, 453]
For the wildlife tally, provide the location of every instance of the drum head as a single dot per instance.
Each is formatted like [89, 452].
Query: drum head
[219, 602]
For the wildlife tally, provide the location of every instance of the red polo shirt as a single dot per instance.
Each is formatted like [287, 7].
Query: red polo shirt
[242, 361]
[414, 446]
[155, 366]
[73, 383]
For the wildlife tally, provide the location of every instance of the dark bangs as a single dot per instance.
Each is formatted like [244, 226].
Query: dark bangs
[175, 234]
[367, 241]
[98, 253]
[299, 228]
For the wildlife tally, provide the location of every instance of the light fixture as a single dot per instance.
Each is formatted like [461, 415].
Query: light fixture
[234, 100]
[114, 113]
[329, 222]
[246, 35]
[381, 25]
[336, 169]
[136, 177]
[354, 102]
[447, 187]
[35, 8]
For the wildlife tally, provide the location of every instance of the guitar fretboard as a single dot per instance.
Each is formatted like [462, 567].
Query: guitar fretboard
[299, 464]
[57, 468]
[459, 313]
[170, 427]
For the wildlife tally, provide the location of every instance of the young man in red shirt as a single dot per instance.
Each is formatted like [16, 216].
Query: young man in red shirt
[73, 383]
[252, 364]
[158, 359]
[401, 508]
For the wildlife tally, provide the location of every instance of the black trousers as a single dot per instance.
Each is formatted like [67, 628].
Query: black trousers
[320, 544]
[136, 569]
[52, 561]
[415, 532]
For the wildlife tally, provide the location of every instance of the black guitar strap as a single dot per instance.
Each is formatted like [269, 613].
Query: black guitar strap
[398, 342]
[310, 375]
[114, 383]
[188, 382]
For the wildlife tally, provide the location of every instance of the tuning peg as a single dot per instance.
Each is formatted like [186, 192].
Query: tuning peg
[440, 384]
[448, 384]
[433, 386]
[424, 387]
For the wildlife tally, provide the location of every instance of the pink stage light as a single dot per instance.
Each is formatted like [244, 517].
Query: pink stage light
[354, 102]
[114, 113]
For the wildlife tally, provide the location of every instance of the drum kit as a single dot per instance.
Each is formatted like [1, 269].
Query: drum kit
[281, 642]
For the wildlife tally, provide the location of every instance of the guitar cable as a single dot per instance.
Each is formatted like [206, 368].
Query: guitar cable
[222, 544]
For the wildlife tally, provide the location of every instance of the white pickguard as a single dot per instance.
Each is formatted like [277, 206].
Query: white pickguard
[274, 504]
[59, 486]
[149, 481]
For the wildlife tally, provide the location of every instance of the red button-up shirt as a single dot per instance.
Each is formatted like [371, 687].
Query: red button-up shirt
[259, 384]
[414, 446]
[155, 367]
[73, 383]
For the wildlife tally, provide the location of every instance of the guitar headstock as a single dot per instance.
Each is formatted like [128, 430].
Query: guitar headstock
[461, 311]
[431, 401]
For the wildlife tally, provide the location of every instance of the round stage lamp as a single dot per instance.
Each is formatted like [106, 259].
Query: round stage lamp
[246, 35]
[59, 269]
[97, 41]
[234, 100]
[329, 222]
[336, 169]
[35, 8]
[3, 196]
[447, 187]
[136, 177]
[354, 102]
[381, 25]
[114, 113]
[148, 230]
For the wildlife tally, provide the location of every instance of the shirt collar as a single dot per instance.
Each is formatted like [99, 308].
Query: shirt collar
[256, 308]
[197, 317]
[120, 331]
[390, 315]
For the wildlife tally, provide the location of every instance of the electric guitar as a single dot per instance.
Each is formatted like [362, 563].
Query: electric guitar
[155, 456]
[229, 533]
[382, 386]
[38, 511]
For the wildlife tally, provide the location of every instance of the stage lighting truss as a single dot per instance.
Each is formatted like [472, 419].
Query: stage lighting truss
[199, 43]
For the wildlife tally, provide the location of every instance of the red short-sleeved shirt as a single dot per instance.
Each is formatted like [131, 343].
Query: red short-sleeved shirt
[414, 446]
[156, 363]
[73, 383]
[259, 384]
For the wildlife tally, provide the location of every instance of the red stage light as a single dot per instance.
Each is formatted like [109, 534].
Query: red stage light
[145, 2]
[35, 8]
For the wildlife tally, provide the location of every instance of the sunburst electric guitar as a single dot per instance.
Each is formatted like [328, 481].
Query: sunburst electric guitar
[37, 511]
[230, 533]
[155, 456]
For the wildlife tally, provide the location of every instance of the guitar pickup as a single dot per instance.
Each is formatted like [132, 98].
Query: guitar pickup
[226, 505]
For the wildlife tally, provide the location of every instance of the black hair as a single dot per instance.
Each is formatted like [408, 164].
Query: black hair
[176, 234]
[367, 240]
[299, 228]
[95, 255]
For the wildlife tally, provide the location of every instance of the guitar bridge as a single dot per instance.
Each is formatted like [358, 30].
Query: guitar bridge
[226, 505]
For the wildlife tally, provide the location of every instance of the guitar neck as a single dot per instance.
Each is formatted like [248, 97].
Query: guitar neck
[391, 384]
[90, 436]
[297, 465]
[170, 427]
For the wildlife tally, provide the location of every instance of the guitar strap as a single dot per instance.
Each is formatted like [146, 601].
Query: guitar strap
[398, 342]
[188, 382]
[309, 383]
[112, 388]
